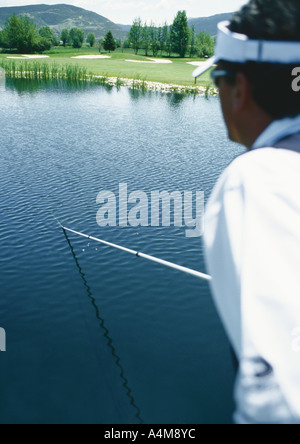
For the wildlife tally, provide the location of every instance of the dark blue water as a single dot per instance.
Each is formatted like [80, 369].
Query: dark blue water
[94, 335]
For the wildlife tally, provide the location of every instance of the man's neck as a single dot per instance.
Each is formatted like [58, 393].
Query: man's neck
[255, 126]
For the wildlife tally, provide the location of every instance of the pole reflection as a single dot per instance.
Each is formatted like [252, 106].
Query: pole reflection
[106, 334]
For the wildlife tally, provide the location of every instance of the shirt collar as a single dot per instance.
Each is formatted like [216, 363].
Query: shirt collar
[276, 131]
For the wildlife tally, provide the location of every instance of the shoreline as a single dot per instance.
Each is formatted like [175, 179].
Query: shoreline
[138, 84]
[158, 86]
[79, 74]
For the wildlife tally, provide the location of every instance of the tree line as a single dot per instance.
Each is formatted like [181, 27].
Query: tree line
[178, 38]
[21, 33]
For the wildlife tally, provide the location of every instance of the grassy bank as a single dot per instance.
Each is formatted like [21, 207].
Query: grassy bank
[60, 60]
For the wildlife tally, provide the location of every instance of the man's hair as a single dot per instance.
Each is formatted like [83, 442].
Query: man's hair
[271, 83]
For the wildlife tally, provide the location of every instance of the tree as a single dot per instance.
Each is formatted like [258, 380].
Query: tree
[77, 37]
[64, 36]
[154, 39]
[126, 44]
[165, 39]
[205, 45]
[42, 44]
[169, 42]
[48, 34]
[20, 33]
[91, 39]
[3, 41]
[109, 42]
[145, 38]
[180, 34]
[193, 49]
[100, 45]
[135, 34]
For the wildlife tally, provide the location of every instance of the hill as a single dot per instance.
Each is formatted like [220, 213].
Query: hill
[58, 17]
[125, 27]
[209, 24]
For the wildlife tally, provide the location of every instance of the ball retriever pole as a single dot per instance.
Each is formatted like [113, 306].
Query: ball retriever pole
[144, 256]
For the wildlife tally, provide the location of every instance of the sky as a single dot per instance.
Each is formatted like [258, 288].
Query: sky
[159, 11]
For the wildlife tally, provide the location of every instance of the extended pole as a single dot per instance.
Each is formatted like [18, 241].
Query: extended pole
[144, 256]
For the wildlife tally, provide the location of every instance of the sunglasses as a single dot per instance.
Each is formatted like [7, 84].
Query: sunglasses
[217, 74]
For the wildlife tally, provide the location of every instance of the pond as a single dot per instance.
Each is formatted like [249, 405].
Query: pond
[94, 335]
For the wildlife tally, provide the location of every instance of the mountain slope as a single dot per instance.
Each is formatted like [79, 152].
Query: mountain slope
[209, 24]
[58, 17]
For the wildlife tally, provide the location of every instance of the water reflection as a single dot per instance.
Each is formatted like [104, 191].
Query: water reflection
[2, 79]
[22, 86]
[136, 94]
[175, 99]
[71, 144]
[106, 334]
[32, 86]
[35, 85]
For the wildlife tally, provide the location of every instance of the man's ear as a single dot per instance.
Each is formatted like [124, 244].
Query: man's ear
[242, 92]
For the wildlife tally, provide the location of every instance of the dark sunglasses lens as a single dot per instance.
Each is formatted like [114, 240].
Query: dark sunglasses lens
[216, 80]
[218, 74]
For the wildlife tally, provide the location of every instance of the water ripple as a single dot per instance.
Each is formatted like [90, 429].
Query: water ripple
[59, 148]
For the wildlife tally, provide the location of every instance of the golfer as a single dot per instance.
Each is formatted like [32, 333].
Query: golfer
[253, 217]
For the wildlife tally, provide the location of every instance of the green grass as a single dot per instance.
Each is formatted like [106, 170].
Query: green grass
[179, 72]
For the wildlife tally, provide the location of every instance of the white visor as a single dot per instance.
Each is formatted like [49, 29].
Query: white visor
[238, 48]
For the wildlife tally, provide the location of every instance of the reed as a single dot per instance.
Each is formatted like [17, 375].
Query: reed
[43, 71]
[119, 82]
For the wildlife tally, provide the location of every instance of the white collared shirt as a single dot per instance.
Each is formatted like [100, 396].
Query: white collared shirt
[252, 241]
[278, 130]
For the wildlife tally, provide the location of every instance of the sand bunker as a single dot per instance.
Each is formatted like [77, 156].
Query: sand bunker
[161, 61]
[25, 57]
[92, 57]
[195, 63]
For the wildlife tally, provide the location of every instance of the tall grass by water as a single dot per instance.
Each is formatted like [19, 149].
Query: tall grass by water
[45, 71]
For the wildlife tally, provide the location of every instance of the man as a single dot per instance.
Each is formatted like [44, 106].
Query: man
[253, 217]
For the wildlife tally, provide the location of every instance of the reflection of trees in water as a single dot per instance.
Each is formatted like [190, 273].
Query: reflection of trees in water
[23, 85]
[175, 99]
[2, 78]
[106, 334]
[136, 94]
[35, 85]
